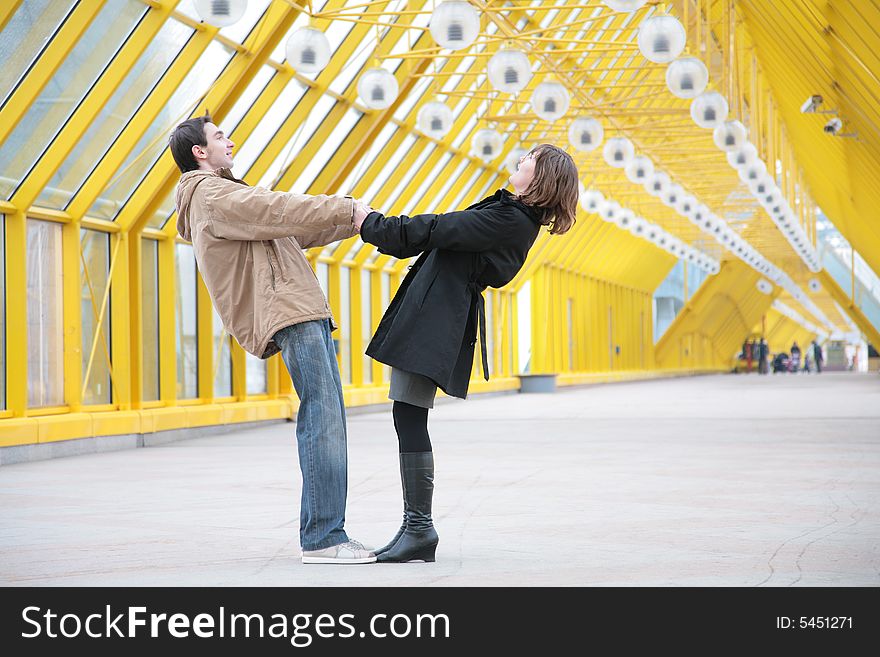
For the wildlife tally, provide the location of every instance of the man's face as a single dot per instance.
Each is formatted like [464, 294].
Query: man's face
[218, 153]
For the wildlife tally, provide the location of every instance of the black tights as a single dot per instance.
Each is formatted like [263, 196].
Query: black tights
[411, 424]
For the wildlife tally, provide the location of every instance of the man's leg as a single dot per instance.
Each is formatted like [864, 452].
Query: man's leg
[307, 352]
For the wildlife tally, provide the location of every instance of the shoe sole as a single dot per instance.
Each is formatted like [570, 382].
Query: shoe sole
[338, 561]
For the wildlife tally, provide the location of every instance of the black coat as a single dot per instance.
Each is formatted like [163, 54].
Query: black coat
[430, 326]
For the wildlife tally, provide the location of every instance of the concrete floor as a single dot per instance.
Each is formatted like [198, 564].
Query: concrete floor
[708, 481]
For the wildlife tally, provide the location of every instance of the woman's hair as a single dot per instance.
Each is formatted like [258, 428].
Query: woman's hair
[554, 189]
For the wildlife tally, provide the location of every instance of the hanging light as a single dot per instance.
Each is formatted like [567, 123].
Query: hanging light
[730, 136]
[686, 205]
[308, 50]
[585, 134]
[591, 201]
[687, 77]
[753, 172]
[661, 38]
[435, 119]
[639, 169]
[764, 286]
[760, 186]
[652, 232]
[625, 218]
[513, 158]
[672, 194]
[742, 156]
[454, 24]
[487, 144]
[624, 5]
[550, 101]
[657, 183]
[618, 151]
[637, 226]
[509, 71]
[709, 109]
[220, 13]
[378, 88]
[609, 210]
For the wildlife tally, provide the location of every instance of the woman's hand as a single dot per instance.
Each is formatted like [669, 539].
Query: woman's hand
[361, 210]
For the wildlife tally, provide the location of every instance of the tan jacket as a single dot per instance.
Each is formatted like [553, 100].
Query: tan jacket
[248, 243]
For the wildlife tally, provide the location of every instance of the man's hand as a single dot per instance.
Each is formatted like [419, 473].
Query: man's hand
[361, 210]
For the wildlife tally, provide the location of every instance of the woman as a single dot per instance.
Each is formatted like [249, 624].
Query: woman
[428, 333]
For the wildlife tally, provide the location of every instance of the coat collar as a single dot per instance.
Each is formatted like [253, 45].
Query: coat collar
[508, 198]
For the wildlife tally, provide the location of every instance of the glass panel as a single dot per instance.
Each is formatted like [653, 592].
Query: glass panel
[154, 139]
[222, 358]
[435, 203]
[301, 136]
[357, 173]
[461, 199]
[63, 93]
[25, 35]
[95, 278]
[345, 322]
[393, 162]
[115, 114]
[323, 273]
[2, 312]
[248, 152]
[150, 318]
[366, 323]
[325, 151]
[186, 323]
[247, 99]
[255, 375]
[415, 173]
[45, 310]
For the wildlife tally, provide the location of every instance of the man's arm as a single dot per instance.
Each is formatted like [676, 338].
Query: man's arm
[238, 212]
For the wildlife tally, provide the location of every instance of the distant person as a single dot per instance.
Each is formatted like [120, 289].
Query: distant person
[750, 352]
[817, 357]
[763, 354]
[795, 357]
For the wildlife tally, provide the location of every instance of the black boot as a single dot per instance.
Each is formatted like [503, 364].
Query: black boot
[403, 524]
[419, 539]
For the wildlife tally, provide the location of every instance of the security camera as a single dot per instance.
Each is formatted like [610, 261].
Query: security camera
[811, 104]
[833, 126]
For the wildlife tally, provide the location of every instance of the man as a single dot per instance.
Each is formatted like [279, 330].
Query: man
[817, 357]
[248, 243]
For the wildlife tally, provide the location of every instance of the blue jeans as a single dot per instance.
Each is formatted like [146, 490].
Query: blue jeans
[307, 351]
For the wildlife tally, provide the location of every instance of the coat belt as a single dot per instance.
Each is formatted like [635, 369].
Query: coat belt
[479, 305]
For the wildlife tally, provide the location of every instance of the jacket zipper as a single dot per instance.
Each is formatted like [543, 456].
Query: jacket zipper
[270, 253]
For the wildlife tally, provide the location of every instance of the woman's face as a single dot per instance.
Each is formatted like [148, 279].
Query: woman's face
[525, 172]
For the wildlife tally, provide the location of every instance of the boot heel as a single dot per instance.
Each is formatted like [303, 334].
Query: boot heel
[426, 554]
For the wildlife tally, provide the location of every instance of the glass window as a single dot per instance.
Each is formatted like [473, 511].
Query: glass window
[95, 279]
[150, 318]
[460, 200]
[67, 87]
[345, 322]
[186, 323]
[436, 204]
[366, 322]
[414, 203]
[247, 99]
[524, 327]
[45, 315]
[26, 34]
[393, 162]
[255, 374]
[300, 137]
[2, 312]
[248, 152]
[357, 172]
[323, 274]
[222, 358]
[408, 178]
[115, 114]
[325, 151]
[154, 138]
[161, 216]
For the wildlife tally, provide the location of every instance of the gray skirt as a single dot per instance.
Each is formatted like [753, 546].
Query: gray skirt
[412, 388]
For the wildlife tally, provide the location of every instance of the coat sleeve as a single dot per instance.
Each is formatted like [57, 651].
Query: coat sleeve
[325, 237]
[239, 212]
[466, 230]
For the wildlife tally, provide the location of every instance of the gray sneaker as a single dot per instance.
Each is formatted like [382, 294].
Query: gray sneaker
[348, 552]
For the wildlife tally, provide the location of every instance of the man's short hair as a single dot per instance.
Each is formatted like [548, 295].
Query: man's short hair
[188, 134]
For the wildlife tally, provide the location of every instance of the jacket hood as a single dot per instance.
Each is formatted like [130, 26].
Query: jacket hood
[186, 188]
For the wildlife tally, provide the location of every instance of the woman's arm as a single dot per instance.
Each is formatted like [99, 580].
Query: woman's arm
[466, 230]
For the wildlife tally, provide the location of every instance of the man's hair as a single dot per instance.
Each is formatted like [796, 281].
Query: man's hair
[554, 189]
[188, 134]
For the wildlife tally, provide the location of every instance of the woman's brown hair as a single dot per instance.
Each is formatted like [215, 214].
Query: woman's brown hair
[554, 189]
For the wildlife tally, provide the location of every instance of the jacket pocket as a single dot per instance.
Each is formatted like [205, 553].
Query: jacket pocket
[428, 288]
